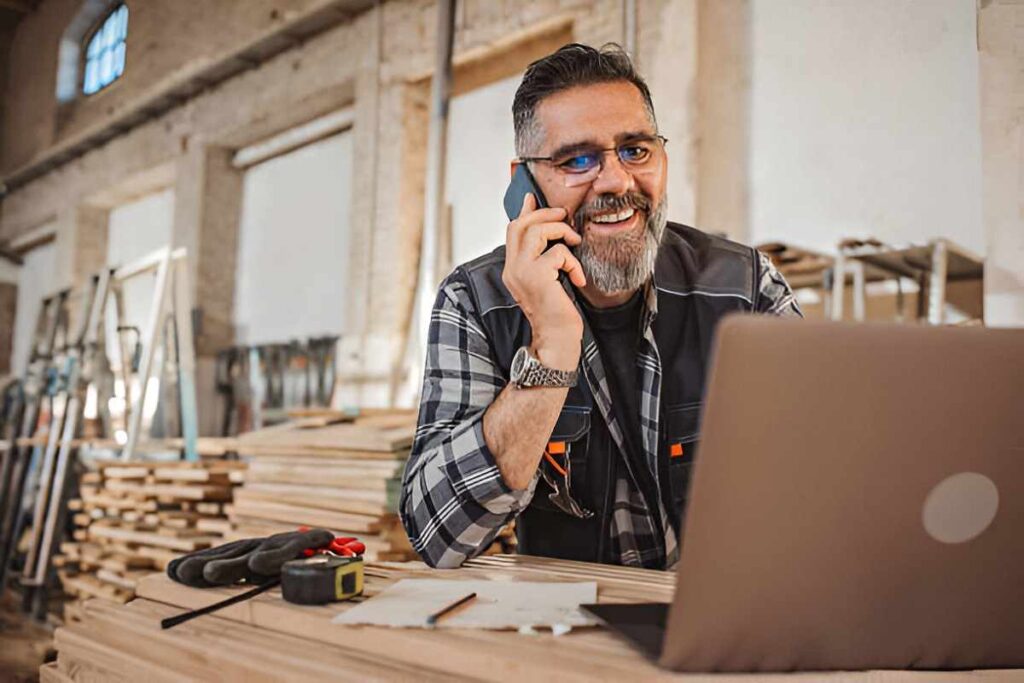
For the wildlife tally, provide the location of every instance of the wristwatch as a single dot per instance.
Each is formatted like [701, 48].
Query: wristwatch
[527, 371]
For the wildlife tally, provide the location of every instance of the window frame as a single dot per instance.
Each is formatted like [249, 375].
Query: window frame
[86, 42]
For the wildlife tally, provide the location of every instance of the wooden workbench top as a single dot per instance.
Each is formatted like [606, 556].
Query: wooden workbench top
[268, 639]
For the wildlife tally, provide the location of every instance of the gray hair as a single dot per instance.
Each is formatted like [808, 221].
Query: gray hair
[570, 66]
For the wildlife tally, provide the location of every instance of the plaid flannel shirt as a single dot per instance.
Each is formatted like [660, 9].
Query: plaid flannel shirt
[454, 500]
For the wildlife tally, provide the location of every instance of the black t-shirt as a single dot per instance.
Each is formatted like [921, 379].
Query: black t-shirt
[617, 333]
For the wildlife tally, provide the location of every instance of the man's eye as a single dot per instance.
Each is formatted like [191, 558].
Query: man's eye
[634, 153]
[579, 163]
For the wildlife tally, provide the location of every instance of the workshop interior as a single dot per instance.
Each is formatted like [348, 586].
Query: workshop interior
[284, 390]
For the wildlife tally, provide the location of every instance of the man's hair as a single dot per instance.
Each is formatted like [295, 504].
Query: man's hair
[570, 66]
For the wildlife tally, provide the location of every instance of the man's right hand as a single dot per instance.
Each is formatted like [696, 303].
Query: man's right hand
[531, 275]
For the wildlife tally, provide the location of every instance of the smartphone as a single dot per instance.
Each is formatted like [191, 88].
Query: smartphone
[521, 185]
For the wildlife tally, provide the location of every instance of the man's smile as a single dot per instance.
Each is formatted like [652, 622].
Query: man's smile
[626, 220]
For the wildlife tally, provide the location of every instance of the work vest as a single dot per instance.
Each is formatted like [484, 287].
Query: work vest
[698, 278]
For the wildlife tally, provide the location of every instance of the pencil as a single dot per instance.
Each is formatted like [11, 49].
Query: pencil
[433, 618]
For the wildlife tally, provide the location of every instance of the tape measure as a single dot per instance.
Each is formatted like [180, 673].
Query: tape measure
[321, 579]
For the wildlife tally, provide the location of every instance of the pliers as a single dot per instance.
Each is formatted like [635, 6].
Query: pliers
[342, 546]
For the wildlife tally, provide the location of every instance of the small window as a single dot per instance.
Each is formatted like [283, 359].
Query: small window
[104, 56]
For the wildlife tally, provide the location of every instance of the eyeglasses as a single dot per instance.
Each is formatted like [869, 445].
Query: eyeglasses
[639, 156]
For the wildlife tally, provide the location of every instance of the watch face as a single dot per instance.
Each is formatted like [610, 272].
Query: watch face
[518, 362]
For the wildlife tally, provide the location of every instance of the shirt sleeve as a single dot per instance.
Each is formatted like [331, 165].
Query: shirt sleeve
[775, 297]
[454, 500]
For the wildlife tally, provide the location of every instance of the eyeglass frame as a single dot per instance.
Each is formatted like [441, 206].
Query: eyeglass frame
[601, 152]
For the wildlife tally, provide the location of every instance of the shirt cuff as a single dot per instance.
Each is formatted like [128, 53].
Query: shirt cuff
[475, 476]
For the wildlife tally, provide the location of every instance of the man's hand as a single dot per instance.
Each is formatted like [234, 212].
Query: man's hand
[531, 275]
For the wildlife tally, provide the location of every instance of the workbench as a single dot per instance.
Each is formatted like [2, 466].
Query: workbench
[267, 638]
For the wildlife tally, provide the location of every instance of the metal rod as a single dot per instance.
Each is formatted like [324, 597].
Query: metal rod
[433, 210]
[186, 360]
[629, 27]
[153, 328]
[937, 283]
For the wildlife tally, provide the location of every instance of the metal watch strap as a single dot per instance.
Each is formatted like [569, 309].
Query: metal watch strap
[536, 374]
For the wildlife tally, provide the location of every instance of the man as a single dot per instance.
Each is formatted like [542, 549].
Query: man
[574, 409]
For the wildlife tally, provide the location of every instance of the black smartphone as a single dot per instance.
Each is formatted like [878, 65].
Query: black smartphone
[521, 185]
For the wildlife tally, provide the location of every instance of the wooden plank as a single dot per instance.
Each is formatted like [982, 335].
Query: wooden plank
[79, 649]
[294, 514]
[342, 500]
[214, 526]
[192, 474]
[285, 450]
[338, 437]
[347, 475]
[161, 557]
[211, 648]
[50, 673]
[88, 586]
[147, 538]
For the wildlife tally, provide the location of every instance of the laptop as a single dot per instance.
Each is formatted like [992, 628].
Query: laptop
[857, 503]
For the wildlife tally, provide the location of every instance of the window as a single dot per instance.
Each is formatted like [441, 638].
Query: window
[104, 56]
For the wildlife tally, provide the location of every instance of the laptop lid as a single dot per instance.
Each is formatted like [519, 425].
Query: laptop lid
[858, 501]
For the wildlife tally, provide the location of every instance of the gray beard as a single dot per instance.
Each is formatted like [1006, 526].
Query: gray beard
[623, 262]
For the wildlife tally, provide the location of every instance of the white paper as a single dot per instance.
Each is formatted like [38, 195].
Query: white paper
[498, 604]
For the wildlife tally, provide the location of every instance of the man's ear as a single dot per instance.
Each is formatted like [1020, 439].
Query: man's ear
[512, 167]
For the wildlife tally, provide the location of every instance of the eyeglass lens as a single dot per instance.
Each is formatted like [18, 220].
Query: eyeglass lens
[638, 159]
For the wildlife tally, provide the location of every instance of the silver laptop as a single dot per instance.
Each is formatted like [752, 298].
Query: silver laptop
[857, 503]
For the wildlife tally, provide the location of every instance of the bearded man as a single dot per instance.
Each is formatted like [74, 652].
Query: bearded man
[573, 407]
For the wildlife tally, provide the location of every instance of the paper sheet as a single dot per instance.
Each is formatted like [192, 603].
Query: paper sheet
[498, 605]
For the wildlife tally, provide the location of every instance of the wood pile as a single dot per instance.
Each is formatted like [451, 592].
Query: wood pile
[133, 518]
[319, 472]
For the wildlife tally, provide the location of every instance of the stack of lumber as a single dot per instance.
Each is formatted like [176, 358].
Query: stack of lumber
[343, 476]
[132, 518]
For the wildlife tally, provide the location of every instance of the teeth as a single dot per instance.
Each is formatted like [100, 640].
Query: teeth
[614, 217]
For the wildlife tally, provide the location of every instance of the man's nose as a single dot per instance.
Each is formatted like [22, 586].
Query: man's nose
[613, 177]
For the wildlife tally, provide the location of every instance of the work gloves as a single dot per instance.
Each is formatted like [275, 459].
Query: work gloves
[253, 560]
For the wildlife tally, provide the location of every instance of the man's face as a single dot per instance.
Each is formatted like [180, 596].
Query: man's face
[617, 255]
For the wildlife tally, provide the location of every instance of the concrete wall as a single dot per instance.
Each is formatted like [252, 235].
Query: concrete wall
[1001, 35]
[167, 40]
[865, 122]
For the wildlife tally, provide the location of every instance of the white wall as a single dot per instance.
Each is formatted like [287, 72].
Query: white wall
[293, 244]
[36, 280]
[140, 227]
[865, 122]
[481, 143]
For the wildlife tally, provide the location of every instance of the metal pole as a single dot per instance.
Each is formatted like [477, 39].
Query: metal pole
[153, 328]
[433, 211]
[937, 283]
[629, 27]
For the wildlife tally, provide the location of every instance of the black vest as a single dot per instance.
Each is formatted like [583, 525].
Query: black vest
[699, 279]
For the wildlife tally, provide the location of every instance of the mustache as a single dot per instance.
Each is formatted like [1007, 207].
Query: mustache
[610, 203]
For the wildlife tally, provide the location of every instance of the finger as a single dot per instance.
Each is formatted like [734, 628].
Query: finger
[529, 204]
[559, 257]
[513, 234]
[539, 237]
